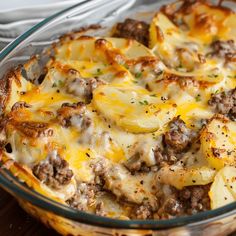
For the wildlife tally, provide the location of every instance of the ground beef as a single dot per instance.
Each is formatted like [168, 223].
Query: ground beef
[179, 136]
[224, 103]
[99, 169]
[67, 111]
[75, 115]
[54, 171]
[171, 206]
[133, 29]
[84, 196]
[190, 200]
[196, 198]
[85, 126]
[165, 156]
[175, 142]
[142, 212]
[134, 163]
[83, 87]
[142, 157]
[224, 49]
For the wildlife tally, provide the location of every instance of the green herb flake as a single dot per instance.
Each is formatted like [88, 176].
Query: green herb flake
[138, 75]
[60, 83]
[98, 72]
[231, 76]
[145, 102]
[153, 95]
[213, 76]
[135, 81]
[126, 66]
[198, 98]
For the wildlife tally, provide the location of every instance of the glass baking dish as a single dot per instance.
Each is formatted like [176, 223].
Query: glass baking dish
[68, 221]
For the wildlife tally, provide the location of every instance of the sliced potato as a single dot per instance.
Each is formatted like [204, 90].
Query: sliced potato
[218, 144]
[181, 52]
[132, 108]
[124, 185]
[61, 70]
[180, 177]
[205, 22]
[102, 50]
[169, 42]
[229, 176]
[223, 189]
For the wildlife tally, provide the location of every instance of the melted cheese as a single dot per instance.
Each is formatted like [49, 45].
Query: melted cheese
[141, 91]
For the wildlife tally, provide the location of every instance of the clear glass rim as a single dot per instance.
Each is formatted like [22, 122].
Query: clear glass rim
[17, 188]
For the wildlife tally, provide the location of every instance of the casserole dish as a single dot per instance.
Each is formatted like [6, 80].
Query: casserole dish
[66, 220]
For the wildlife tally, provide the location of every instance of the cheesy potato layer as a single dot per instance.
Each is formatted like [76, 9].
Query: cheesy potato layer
[136, 126]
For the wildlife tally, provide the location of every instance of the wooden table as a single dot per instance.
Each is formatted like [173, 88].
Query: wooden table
[14, 221]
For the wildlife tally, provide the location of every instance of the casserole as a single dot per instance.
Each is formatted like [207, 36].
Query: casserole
[65, 226]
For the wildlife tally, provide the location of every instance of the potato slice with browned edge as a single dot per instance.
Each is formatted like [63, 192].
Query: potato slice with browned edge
[180, 177]
[102, 50]
[132, 108]
[217, 142]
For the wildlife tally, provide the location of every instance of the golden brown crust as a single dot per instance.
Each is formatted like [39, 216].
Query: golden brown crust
[33, 129]
[6, 87]
[188, 6]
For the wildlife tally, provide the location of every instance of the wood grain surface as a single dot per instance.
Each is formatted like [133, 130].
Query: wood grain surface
[15, 222]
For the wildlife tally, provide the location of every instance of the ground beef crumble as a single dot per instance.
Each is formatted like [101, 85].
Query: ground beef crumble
[165, 156]
[133, 29]
[83, 87]
[175, 142]
[224, 49]
[85, 197]
[173, 202]
[142, 157]
[134, 163]
[142, 212]
[224, 103]
[190, 200]
[54, 171]
[179, 136]
[67, 111]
